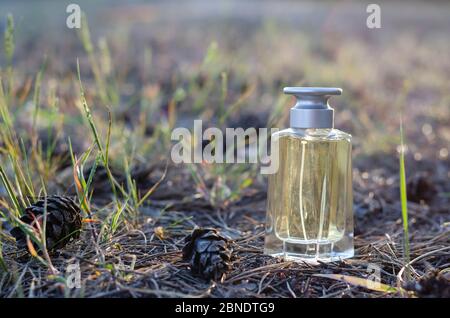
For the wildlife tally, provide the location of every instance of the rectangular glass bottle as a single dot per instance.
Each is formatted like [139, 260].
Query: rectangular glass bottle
[310, 204]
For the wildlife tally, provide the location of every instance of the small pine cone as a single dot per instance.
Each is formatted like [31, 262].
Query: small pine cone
[208, 253]
[434, 284]
[63, 221]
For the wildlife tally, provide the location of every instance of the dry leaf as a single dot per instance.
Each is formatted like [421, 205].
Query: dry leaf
[90, 221]
[360, 282]
[159, 232]
[31, 247]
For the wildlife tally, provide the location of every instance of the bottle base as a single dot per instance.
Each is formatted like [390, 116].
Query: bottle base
[311, 253]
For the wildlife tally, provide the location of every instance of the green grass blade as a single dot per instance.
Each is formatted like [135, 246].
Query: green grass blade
[9, 47]
[404, 200]
[37, 92]
[10, 191]
[8, 39]
[88, 114]
[104, 153]
[85, 37]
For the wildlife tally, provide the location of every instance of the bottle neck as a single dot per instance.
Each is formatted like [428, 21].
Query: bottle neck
[312, 118]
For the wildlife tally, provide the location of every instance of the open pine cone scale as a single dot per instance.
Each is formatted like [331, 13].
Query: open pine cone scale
[63, 221]
[208, 252]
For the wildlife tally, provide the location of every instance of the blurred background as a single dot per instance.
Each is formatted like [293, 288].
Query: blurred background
[153, 48]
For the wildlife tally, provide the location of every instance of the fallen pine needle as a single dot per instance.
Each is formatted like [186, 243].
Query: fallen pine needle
[361, 282]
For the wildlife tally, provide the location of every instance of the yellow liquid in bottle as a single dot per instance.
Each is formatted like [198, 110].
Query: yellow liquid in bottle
[310, 195]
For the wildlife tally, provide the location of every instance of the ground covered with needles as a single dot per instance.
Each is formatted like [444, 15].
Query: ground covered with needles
[148, 68]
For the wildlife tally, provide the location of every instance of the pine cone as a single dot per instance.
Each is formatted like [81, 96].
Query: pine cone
[208, 253]
[63, 221]
[434, 284]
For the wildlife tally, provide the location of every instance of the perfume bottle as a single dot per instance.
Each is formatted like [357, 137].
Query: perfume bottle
[309, 202]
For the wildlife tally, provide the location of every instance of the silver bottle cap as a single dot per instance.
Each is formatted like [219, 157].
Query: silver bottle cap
[312, 109]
